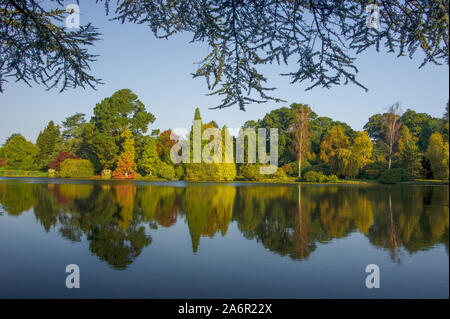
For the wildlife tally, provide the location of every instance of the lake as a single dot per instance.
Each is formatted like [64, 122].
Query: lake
[208, 240]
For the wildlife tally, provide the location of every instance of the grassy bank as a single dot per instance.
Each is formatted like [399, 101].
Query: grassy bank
[294, 180]
[239, 179]
[20, 173]
[425, 182]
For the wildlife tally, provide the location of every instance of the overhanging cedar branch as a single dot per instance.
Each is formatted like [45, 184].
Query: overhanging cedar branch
[319, 38]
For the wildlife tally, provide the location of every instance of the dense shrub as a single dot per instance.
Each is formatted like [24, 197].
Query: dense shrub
[287, 168]
[106, 174]
[291, 169]
[323, 168]
[56, 163]
[179, 172]
[210, 172]
[2, 162]
[226, 172]
[332, 179]
[51, 172]
[394, 175]
[76, 168]
[314, 177]
[251, 172]
[139, 176]
[373, 170]
[196, 172]
[166, 171]
[318, 177]
[279, 174]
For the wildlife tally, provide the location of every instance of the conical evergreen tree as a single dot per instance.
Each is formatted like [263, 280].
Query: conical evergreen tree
[149, 162]
[47, 141]
[197, 114]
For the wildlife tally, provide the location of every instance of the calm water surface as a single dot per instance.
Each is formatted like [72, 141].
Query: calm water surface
[178, 240]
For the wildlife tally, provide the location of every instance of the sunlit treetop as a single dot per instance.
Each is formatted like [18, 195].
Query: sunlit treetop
[318, 39]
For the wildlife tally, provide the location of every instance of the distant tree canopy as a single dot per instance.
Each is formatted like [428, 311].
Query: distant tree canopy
[102, 135]
[319, 37]
[420, 125]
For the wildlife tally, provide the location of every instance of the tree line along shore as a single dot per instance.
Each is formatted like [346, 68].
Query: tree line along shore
[395, 146]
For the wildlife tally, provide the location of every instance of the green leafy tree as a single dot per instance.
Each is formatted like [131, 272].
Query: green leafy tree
[438, 155]
[374, 127]
[9, 138]
[332, 142]
[362, 151]
[284, 119]
[421, 126]
[47, 142]
[149, 161]
[21, 154]
[102, 139]
[152, 165]
[320, 126]
[72, 133]
[344, 163]
[87, 148]
[409, 154]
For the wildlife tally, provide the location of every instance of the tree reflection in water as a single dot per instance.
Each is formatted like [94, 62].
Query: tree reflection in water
[117, 218]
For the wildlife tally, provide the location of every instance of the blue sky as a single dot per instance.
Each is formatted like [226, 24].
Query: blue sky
[159, 72]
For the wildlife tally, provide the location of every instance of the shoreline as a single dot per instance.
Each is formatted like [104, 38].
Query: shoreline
[290, 181]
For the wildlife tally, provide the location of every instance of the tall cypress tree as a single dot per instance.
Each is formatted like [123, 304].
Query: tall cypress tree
[197, 114]
[47, 141]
